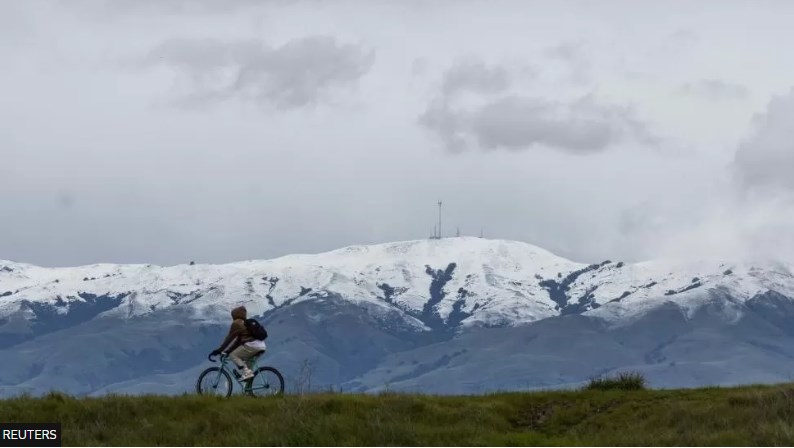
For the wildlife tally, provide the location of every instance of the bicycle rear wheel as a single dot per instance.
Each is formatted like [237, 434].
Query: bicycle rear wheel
[266, 382]
[214, 381]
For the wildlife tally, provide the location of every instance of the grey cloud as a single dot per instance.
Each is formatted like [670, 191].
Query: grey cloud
[573, 54]
[297, 74]
[566, 51]
[419, 66]
[446, 123]
[518, 122]
[714, 89]
[474, 76]
[684, 36]
[120, 8]
[766, 159]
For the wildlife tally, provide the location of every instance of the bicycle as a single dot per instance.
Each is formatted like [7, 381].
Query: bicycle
[266, 379]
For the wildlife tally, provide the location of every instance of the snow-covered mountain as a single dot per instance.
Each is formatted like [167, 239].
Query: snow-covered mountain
[388, 300]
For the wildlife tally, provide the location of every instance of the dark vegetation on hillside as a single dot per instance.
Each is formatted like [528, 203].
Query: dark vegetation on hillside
[620, 381]
[714, 416]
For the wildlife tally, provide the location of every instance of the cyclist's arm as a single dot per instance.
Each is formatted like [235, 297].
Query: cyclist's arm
[234, 331]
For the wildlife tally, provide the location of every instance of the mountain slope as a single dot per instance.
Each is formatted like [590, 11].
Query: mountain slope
[491, 280]
[409, 314]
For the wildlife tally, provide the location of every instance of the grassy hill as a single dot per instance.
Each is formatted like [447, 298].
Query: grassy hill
[714, 416]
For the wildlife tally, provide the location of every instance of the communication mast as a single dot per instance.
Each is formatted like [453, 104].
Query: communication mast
[437, 228]
[439, 219]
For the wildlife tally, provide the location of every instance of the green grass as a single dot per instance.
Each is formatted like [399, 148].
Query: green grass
[714, 416]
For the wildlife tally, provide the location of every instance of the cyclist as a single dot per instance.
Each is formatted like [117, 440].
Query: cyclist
[244, 348]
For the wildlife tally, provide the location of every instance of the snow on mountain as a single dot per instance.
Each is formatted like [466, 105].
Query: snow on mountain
[466, 281]
[636, 289]
[497, 277]
[416, 315]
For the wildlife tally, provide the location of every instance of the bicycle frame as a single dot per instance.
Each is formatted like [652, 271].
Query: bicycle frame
[223, 368]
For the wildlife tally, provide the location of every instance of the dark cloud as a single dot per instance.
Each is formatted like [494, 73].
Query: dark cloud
[716, 90]
[765, 160]
[517, 122]
[300, 73]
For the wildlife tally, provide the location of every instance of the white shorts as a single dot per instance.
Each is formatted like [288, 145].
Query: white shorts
[256, 344]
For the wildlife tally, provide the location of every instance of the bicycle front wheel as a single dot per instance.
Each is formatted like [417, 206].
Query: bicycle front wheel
[266, 382]
[214, 381]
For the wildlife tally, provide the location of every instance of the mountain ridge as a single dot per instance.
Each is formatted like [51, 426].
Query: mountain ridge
[417, 315]
[467, 280]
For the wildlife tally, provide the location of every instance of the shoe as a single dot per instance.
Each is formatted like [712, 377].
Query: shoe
[236, 374]
[247, 376]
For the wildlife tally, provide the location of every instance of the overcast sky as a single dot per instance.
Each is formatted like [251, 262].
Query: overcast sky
[164, 131]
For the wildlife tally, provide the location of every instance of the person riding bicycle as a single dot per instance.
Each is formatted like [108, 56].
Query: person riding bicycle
[245, 347]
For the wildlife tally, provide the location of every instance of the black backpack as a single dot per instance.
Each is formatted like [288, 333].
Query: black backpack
[256, 330]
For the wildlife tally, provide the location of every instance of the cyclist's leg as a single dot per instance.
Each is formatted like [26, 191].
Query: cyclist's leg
[252, 364]
[255, 358]
[240, 357]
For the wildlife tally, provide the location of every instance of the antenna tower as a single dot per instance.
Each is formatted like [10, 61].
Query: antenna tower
[439, 219]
